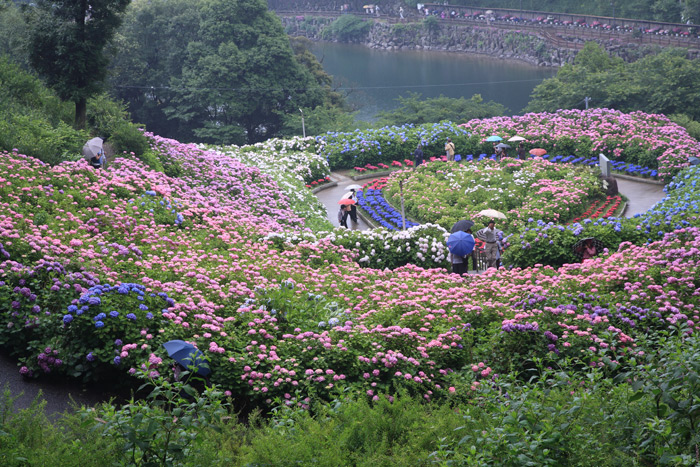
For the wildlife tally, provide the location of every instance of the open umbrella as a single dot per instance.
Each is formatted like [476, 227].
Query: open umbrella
[92, 148]
[348, 195]
[347, 201]
[580, 245]
[188, 356]
[516, 138]
[493, 138]
[460, 243]
[503, 146]
[538, 152]
[462, 225]
[354, 187]
[492, 213]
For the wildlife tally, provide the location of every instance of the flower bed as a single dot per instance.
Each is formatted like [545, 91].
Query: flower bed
[601, 209]
[444, 193]
[380, 167]
[645, 142]
[549, 243]
[285, 316]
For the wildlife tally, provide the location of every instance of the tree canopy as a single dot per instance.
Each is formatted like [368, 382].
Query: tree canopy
[417, 111]
[666, 83]
[67, 42]
[213, 70]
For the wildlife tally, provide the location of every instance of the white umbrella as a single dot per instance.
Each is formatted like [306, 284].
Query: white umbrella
[354, 187]
[516, 138]
[347, 195]
[92, 148]
[492, 213]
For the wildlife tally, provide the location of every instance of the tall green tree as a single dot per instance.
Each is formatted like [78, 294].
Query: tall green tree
[68, 41]
[231, 77]
[151, 45]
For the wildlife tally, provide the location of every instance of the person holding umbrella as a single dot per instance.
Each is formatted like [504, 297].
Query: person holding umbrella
[490, 237]
[460, 244]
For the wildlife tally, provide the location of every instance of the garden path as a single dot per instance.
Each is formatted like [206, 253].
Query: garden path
[642, 195]
[58, 395]
[330, 197]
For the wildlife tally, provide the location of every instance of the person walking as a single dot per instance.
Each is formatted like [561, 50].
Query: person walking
[418, 156]
[353, 207]
[490, 237]
[401, 12]
[522, 153]
[343, 215]
[450, 149]
[459, 264]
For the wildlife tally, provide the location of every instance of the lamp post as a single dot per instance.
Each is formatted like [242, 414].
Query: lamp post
[612, 4]
[303, 128]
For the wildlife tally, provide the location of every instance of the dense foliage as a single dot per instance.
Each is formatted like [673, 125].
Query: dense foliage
[35, 122]
[413, 110]
[213, 71]
[638, 138]
[664, 83]
[67, 47]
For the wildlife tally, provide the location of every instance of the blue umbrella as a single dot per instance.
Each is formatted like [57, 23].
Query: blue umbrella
[493, 138]
[460, 243]
[188, 356]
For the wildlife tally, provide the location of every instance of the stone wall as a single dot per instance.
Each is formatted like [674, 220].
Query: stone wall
[497, 43]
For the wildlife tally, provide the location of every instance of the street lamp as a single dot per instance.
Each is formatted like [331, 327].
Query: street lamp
[303, 128]
[612, 4]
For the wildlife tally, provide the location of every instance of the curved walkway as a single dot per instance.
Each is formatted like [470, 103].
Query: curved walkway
[641, 193]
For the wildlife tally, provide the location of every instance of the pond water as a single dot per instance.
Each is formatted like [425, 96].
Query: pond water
[374, 78]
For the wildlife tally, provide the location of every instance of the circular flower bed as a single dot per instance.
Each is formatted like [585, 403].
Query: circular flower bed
[444, 193]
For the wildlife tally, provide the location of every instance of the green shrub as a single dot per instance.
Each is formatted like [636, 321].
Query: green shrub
[347, 28]
[129, 138]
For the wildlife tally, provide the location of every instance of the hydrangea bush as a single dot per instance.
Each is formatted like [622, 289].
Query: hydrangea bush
[649, 142]
[283, 315]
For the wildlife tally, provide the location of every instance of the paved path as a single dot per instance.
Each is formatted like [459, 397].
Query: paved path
[330, 197]
[58, 396]
[642, 196]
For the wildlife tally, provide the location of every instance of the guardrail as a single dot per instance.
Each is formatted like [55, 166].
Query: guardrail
[557, 34]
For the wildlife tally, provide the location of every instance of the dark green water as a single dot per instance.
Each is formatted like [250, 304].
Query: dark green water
[375, 78]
